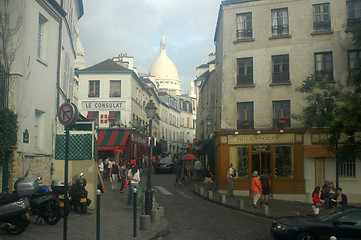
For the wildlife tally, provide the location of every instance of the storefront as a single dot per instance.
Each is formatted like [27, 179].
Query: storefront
[121, 144]
[280, 153]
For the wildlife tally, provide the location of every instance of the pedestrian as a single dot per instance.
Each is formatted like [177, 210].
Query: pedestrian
[114, 172]
[134, 177]
[178, 171]
[317, 202]
[325, 195]
[208, 177]
[101, 168]
[109, 163]
[256, 188]
[266, 186]
[198, 170]
[123, 176]
[341, 197]
[230, 175]
[333, 195]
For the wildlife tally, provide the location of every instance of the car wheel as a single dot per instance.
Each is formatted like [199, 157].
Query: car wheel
[305, 236]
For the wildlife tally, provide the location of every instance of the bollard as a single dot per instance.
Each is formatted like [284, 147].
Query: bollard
[161, 211]
[266, 210]
[135, 213]
[144, 222]
[155, 216]
[98, 216]
[196, 188]
[241, 203]
[223, 199]
[201, 191]
[210, 194]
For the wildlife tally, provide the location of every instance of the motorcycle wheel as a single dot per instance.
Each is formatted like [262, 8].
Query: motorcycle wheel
[20, 225]
[52, 214]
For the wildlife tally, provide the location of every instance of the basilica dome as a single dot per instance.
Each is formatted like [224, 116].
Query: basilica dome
[165, 72]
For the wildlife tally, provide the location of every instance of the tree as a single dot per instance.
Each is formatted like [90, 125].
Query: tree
[335, 108]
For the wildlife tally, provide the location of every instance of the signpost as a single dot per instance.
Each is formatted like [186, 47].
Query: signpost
[68, 114]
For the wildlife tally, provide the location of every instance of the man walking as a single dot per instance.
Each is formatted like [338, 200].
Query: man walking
[266, 186]
[230, 175]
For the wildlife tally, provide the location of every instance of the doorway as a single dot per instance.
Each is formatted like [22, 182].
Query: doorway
[261, 161]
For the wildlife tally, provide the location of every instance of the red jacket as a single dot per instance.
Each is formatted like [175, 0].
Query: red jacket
[256, 186]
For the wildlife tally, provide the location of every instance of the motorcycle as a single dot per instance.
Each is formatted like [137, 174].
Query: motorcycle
[46, 205]
[14, 215]
[79, 195]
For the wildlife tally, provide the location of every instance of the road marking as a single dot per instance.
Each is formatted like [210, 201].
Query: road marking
[163, 190]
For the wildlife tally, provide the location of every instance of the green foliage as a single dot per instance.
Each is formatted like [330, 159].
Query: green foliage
[8, 131]
[336, 109]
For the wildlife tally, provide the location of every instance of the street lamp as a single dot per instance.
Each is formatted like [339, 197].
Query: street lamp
[150, 110]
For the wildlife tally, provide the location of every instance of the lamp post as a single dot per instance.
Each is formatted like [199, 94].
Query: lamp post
[150, 110]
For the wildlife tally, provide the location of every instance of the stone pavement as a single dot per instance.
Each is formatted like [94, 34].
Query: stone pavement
[116, 222]
[278, 208]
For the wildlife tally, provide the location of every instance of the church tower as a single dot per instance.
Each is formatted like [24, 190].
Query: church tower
[165, 72]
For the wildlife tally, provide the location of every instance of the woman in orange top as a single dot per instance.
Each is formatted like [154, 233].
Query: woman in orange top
[256, 188]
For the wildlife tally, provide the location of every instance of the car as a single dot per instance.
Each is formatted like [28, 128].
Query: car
[341, 222]
[164, 165]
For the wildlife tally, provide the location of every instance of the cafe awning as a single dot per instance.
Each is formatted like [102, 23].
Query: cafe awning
[112, 139]
[114, 115]
[92, 115]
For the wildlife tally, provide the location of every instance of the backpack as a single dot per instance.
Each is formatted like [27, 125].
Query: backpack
[234, 172]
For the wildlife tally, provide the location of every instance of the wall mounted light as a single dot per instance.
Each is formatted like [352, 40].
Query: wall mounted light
[281, 131]
[258, 132]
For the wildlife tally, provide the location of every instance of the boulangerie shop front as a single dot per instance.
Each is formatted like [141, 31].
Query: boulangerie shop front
[280, 153]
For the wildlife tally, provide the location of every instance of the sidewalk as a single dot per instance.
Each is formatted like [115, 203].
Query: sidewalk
[278, 208]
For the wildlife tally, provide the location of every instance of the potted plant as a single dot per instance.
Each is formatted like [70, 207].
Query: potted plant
[245, 122]
[282, 122]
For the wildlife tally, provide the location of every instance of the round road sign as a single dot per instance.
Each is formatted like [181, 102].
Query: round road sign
[67, 113]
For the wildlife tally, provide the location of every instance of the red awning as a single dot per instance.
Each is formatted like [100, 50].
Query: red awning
[112, 139]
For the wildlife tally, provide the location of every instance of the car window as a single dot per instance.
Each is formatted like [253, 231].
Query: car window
[353, 218]
[329, 213]
[165, 160]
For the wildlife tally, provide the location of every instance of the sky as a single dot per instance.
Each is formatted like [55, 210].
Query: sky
[111, 27]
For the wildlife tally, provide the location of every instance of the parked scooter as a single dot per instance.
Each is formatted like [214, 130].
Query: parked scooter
[46, 205]
[79, 195]
[14, 216]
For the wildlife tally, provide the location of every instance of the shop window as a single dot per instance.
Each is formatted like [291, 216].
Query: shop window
[239, 156]
[283, 161]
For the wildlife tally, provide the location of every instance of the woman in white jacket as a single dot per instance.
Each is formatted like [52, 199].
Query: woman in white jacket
[134, 179]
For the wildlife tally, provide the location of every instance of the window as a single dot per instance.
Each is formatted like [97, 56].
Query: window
[244, 26]
[353, 13]
[283, 161]
[114, 118]
[323, 66]
[354, 59]
[347, 168]
[281, 69]
[281, 114]
[239, 159]
[94, 88]
[321, 17]
[245, 71]
[280, 22]
[42, 37]
[245, 115]
[114, 88]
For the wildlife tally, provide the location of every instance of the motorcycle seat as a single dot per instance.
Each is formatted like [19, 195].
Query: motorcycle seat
[8, 197]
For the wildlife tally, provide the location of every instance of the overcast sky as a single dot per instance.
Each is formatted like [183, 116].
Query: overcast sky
[135, 27]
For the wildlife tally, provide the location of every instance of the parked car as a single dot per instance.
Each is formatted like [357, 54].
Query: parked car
[341, 222]
[164, 165]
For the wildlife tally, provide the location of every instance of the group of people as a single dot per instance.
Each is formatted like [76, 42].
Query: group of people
[327, 197]
[127, 174]
[260, 186]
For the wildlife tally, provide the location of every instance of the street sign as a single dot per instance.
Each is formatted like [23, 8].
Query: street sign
[68, 113]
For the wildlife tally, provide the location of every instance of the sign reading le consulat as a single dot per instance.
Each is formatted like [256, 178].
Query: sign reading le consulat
[102, 105]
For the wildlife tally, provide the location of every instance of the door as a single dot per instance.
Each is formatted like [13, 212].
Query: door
[261, 161]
